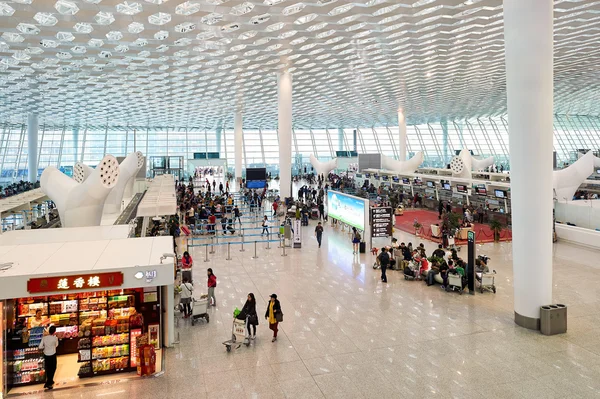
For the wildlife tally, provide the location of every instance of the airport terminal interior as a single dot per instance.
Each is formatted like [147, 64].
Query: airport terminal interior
[299, 199]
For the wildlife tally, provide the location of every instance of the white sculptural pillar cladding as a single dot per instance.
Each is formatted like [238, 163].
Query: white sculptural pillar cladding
[32, 147]
[284, 97]
[402, 131]
[528, 37]
[128, 168]
[237, 140]
[81, 205]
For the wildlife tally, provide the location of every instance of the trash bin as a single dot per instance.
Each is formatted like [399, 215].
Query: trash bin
[553, 319]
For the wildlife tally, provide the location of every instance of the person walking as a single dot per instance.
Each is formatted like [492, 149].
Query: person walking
[249, 314]
[212, 284]
[321, 211]
[384, 261]
[275, 206]
[265, 226]
[440, 209]
[221, 187]
[186, 266]
[186, 297]
[48, 346]
[274, 315]
[236, 215]
[319, 233]
[355, 240]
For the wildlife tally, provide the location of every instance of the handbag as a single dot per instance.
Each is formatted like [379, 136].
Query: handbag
[279, 316]
[253, 319]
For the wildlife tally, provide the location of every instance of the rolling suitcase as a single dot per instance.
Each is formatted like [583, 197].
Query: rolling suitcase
[363, 247]
[430, 278]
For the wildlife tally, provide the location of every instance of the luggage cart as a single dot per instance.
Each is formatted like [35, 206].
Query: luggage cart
[238, 335]
[486, 281]
[199, 309]
[454, 283]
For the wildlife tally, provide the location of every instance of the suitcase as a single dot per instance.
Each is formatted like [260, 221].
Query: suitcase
[363, 247]
[430, 278]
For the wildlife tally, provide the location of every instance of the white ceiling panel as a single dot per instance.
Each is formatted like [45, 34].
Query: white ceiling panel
[192, 63]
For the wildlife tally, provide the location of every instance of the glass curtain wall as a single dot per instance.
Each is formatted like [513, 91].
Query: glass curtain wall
[63, 146]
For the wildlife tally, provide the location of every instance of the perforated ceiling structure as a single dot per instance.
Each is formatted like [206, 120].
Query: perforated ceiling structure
[192, 63]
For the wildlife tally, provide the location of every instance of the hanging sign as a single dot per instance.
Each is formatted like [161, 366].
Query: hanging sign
[75, 282]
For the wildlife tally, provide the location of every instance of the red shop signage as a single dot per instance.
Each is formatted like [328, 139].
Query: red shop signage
[75, 282]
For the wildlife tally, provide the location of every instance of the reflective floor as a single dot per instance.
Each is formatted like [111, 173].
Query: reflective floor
[347, 335]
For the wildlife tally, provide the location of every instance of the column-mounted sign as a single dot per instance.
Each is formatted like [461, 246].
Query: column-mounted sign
[381, 222]
[74, 282]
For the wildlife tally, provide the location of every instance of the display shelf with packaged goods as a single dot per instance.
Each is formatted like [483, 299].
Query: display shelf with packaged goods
[109, 333]
[26, 367]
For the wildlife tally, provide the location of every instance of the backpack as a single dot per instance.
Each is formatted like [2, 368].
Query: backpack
[357, 236]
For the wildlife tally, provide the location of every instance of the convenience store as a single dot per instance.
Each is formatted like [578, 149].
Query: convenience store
[101, 295]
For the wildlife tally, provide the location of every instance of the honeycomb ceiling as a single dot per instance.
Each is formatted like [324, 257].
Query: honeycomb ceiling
[193, 63]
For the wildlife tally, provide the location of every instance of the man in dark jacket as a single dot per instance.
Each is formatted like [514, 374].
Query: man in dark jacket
[384, 261]
[439, 253]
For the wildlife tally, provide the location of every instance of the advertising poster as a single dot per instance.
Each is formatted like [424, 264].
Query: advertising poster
[381, 222]
[346, 209]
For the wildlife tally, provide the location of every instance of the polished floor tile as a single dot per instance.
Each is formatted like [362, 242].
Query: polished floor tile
[347, 335]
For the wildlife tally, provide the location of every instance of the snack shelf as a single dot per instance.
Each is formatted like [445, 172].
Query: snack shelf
[110, 357]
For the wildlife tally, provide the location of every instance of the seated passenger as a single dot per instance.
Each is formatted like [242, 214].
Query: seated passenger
[439, 252]
[444, 273]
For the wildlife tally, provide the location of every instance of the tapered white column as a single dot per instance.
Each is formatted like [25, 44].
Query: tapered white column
[32, 147]
[284, 97]
[237, 140]
[76, 143]
[402, 132]
[528, 41]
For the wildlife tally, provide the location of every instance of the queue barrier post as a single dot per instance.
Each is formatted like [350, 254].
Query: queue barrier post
[228, 251]
[242, 250]
[268, 242]
[283, 247]
[212, 246]
[206, 255]
[255, 254]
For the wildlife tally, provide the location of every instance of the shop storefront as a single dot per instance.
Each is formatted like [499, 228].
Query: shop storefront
[101, 317]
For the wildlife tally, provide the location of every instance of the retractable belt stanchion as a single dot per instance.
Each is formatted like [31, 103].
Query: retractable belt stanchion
[283, 248]
[228, 251]
[242, 250]
[212, 247]
[268, 242]
[206, 256]
[255, 254]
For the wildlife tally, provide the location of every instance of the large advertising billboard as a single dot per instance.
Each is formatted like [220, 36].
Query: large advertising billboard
[347, 209]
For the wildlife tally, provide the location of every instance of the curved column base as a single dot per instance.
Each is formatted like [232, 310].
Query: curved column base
[529, 323]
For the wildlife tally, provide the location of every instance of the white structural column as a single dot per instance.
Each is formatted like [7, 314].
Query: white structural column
[402, 131]
[284, 97]
[76, 143]
[32, 147]
[237, 139]
[528, 37]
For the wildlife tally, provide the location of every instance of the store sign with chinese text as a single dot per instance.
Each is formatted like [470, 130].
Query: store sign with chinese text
[96, 281]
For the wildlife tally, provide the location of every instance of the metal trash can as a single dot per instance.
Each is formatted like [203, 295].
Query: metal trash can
[553, 319]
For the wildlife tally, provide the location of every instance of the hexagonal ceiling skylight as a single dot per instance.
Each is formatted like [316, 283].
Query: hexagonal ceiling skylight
[193, 63]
